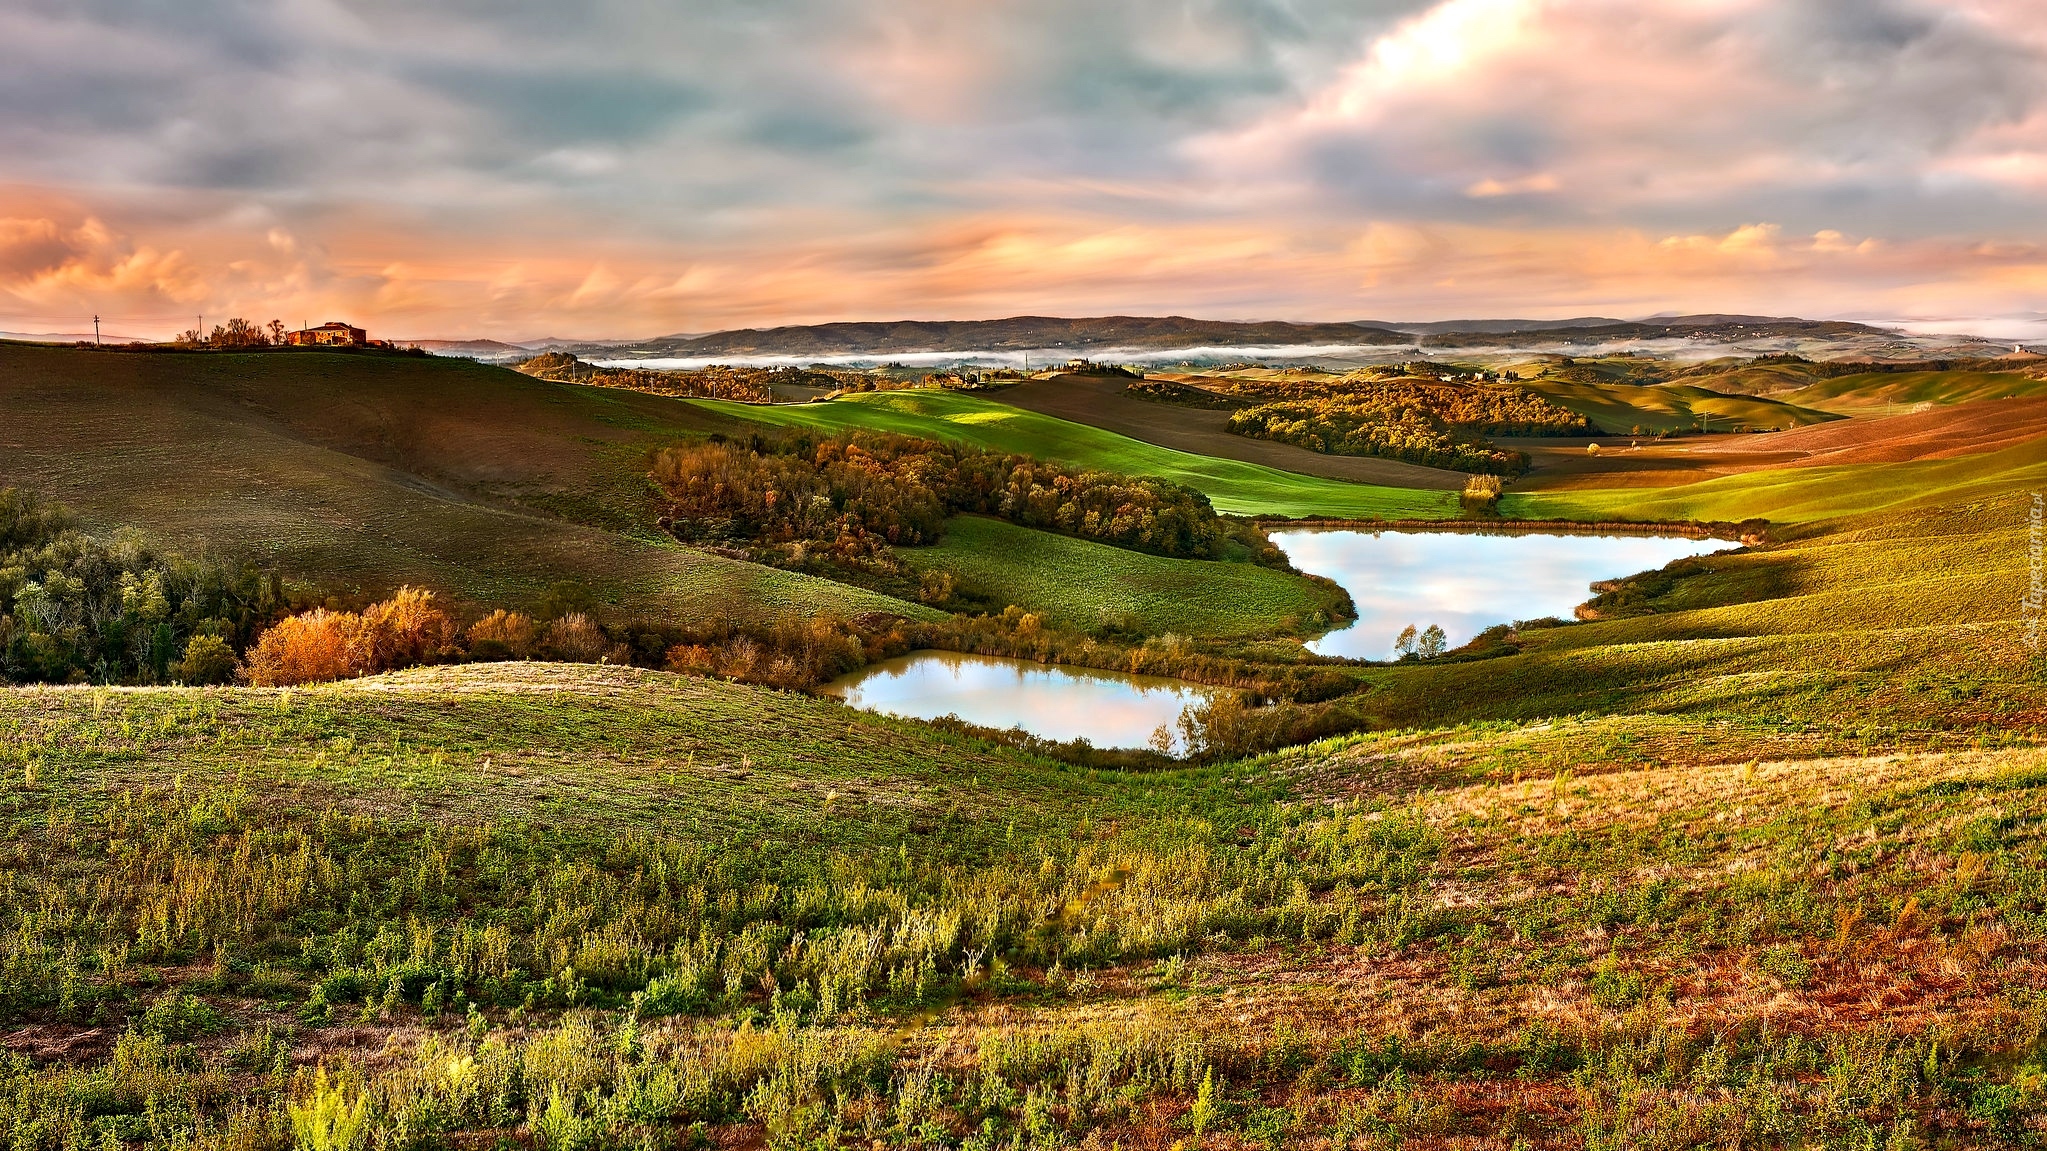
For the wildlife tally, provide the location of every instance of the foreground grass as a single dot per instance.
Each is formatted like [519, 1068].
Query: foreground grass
[237, 922]
[1231, 485]
[1078, 585]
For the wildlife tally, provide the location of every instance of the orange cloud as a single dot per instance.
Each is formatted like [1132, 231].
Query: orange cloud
[61, 263]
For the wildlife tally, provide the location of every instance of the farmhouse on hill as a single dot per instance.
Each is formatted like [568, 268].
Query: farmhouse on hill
[334, 334]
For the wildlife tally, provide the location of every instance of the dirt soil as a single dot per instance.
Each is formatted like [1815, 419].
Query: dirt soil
[1100, 401]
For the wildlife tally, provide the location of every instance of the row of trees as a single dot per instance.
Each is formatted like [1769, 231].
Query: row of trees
[411, 629]
[1335, 428]
[236, 333]
[1420, 421]
[748, 385]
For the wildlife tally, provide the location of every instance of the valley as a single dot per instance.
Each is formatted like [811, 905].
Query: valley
[1733, 848]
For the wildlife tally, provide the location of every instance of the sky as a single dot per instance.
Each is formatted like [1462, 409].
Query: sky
[630, 168]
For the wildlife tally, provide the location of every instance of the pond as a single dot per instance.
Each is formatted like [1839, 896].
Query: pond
[1107, 708]
[1465, 582]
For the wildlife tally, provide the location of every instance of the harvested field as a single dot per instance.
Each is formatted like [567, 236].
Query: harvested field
[1100, 401]
[1938, 433]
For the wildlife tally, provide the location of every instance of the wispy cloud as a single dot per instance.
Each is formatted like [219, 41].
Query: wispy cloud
[618, 168]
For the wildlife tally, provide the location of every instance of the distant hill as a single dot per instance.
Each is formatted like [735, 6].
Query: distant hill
[1339, 344]
[1018, 333]
[68, 338]
[487, 351]
[1710, 329]
[1493, 327]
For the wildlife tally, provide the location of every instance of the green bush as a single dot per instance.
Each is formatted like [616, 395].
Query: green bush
[179, 1017]
[208, 660]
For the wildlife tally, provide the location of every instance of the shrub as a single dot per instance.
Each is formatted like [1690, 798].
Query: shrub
[178, 1017]
[503, 635]
[208, 660]
[315, 647]
[321, 645]
[576, 638]
[329, 1119]
[405, 631]
[1482, 493]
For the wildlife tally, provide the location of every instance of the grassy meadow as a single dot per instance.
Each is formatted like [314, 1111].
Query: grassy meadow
[1747, 856]
[1618, 408]
[1878, 392]
[1798, 495]
[1083, 586]
[1231, 485]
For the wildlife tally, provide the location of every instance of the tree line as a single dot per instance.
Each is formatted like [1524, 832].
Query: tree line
[801, 499]
[80, 608]
[1438, 425]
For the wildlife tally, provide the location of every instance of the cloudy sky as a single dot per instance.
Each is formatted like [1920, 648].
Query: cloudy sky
[522, 168]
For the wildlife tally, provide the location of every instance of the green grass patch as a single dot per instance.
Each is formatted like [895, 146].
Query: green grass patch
[1232, 486]
[1080, 585]
[1791, 495]
[1880, 390]
[1618, 408]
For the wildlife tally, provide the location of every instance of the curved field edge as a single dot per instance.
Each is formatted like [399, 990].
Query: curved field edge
[1232, 486]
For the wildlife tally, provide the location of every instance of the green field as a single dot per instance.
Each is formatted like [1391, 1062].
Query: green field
[361, 473]
[1879, 392]
[1232, 486]
[1617, 408]
[1793, 495]
[1081, 585]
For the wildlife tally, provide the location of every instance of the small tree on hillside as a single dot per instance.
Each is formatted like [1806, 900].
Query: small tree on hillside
[276, 329]
[1405, 644]
[1432, 643]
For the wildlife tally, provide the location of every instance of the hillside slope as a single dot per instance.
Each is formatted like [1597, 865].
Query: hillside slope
[1231, 485]
[1755, 860]
[364, 472]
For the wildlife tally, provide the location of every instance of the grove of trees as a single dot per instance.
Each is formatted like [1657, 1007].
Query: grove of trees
[76, 607]
[852, 496]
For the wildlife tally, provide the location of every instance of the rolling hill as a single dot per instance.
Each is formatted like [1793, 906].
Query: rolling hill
[1618, 408]
[1231, 485]
[1018, 333]
[364, 472]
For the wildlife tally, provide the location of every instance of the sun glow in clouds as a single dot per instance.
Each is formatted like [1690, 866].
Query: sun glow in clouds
[621, 172]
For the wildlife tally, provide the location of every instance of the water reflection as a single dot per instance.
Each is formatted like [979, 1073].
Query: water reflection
[1107, 708]
[1465, 582]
